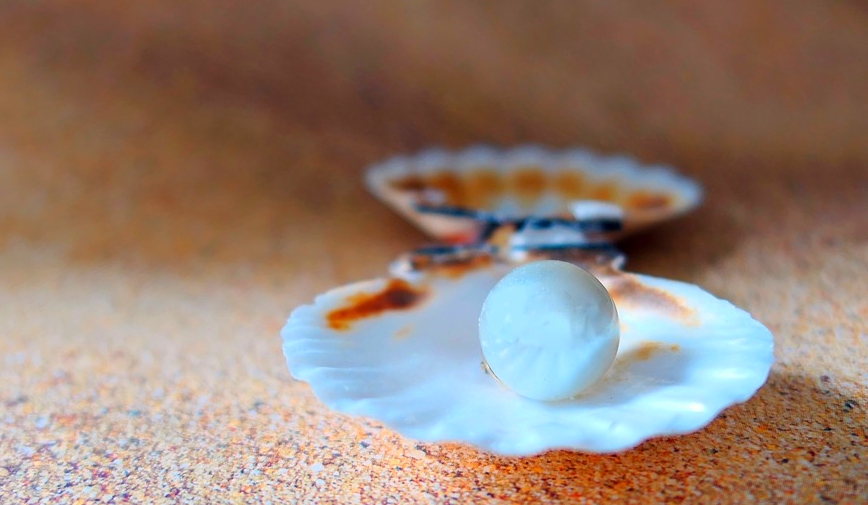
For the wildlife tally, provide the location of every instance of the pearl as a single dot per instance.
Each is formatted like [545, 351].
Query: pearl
[548, 330]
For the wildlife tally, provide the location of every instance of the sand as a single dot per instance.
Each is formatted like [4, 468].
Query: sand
[176, 177]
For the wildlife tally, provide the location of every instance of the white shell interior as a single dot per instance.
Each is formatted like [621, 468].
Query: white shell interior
[418, 369]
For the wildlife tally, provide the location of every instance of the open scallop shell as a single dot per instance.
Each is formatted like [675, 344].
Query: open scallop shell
[404, 350]
[524, 181]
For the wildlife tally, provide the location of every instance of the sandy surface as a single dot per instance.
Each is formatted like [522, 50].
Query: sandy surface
[176, 177]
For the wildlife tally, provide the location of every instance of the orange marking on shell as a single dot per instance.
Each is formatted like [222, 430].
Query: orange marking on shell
[412, 183]
[627, 290]
[482, 188]
[648, 349]
[570, 185]
[453, 269]
[459, 238]
[459, 269]
[397, 295]
[449, 185]
[643, 200]
[604, 192]
[403, 332]
[528, 184]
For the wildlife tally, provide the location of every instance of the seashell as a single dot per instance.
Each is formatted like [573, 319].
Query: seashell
[404, 350]
[453, 195]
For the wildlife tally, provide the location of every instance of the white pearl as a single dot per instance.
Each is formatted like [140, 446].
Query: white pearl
[549, 330]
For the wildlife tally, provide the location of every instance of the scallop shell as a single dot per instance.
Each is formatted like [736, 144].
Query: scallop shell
[404, 350]
[449, 194]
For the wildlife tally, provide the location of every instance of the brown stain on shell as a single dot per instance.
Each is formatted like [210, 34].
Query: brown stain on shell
[604, 192]
[528, 184]
[450, 185]
[403, 332]
[413, 184]
[570, 185]
[453, 269]
[398, 294]
[646, 350]
[629, 291]
[501, 236]
[647, 201]
[458, 269]
[481, 188]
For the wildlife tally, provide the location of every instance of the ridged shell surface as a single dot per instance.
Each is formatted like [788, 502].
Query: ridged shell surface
[523, 181]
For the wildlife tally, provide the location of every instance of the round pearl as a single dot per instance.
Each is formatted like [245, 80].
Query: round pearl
[549, 329]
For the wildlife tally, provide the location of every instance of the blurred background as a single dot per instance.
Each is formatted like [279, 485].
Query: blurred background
[186, 115]
[176, 176]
